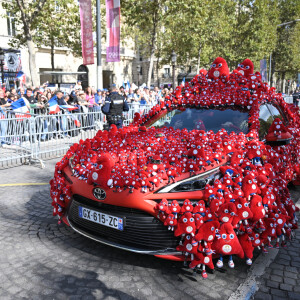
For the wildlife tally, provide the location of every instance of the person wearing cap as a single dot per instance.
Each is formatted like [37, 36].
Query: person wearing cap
[114, 106]
[99, 97]
[82, 101]
[145, 96]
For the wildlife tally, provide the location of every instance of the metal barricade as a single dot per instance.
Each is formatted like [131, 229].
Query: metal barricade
[133, 108]
[16, 139]
[56, 133]
[29, 138]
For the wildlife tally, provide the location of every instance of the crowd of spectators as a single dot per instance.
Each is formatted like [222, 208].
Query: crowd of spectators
[36, 99]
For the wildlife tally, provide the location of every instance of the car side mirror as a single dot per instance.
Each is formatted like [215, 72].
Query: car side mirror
[278, 142]
[278, 134]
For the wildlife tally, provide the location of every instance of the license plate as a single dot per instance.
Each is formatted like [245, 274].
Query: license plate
[101, 218]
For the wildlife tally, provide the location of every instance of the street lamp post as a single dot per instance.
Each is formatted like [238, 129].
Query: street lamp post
[99, 49]
[279, 25]
[174, 59]
[2, 64]
[138, 70]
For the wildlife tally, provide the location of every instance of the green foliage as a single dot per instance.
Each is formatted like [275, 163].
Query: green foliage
[286, 57]
[234, 29]
[56, 24]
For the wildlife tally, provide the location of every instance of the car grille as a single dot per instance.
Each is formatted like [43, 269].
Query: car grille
[141, 230]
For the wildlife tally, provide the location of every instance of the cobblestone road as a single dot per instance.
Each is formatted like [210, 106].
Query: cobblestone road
[40, 259]
[281, 279]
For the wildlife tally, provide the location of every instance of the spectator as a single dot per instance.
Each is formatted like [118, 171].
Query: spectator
[114, 106]
[122, 91]
[3, 101]
[152, 100]
[296, 97]
[62, 119]
[145, 96]
[21, 92]
[13, 92]
[157, 94]
[73, 99]
[42, 104]
[165, 92]
[99, 97]
[11, 98]
[49, 95]
[130, 96]
[82, 101]
[90, 97]
[78, 85]
[136, 100]
[29, 96]
[67, 98]
[36, 92]
[60, 98]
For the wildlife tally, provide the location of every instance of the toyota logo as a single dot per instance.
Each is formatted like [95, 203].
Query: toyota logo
[99, 193]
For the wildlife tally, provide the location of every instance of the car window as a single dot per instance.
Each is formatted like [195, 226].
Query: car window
[206, 119]
[267, 114]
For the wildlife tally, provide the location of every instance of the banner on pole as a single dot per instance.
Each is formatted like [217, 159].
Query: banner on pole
[112, 30]
[86, 32]
[263, 70]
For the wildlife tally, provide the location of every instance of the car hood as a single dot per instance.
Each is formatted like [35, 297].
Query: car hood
[147, 159]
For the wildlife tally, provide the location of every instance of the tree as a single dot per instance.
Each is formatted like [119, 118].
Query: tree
[62, 29]
[26, 14]
[45, 23]
[199, 31]
[254, 33]
[148, 18]
[285, 58]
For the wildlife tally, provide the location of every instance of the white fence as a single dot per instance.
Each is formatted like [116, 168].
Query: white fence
[32, 138]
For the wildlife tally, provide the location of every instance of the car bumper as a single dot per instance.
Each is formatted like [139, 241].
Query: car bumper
[167, 252]
[142, 232]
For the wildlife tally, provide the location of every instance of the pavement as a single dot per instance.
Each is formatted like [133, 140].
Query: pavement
[40, 259]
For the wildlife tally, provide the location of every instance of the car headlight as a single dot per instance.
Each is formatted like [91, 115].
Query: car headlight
[194, 183]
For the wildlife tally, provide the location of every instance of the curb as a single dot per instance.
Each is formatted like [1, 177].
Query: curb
[250, 286]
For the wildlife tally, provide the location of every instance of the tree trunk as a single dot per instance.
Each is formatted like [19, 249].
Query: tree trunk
[282, 82]
[198, 60]
[32, 65]
[157, 69]
[152, 54]
[52, 57]
[27, 20]
[273, 63]
[152, 49]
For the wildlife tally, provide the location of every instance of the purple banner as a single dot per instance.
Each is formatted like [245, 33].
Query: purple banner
[112, 30]
[86, 32]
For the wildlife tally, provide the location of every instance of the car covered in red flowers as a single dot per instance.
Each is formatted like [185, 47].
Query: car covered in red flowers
[202, 174]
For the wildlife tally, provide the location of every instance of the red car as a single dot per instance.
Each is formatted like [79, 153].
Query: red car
[204, 172]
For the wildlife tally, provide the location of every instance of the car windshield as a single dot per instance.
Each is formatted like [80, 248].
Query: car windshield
[206, 119]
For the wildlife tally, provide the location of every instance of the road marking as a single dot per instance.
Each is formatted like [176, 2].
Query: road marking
[23, 184]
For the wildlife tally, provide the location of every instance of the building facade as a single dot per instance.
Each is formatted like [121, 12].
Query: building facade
[18, 60]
